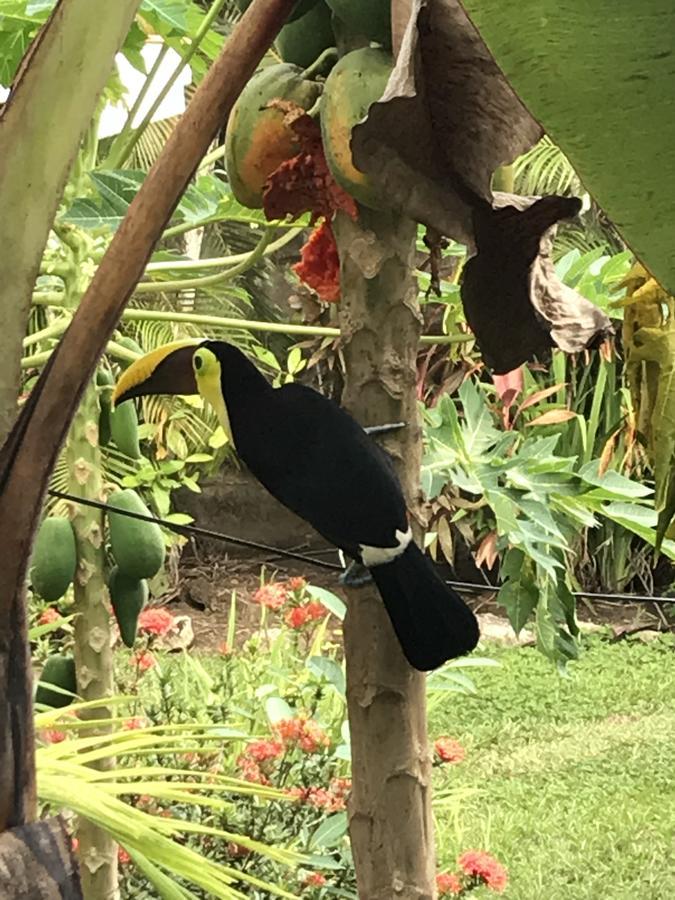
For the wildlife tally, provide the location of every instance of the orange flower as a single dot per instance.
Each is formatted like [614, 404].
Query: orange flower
[52, 736]
[312, 736]
[134, 723]
[448, 883]
[296, 617]
[250, 770]
[155, 620]
[271, 595]
[224, 649]
[123, 857]
[449, 750]
[314, 879]
[49, 615]
[483, 867]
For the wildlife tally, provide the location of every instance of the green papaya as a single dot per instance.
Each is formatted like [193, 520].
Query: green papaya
[356, 82]
[370, 18]
[137, 546]
[128, 596]
[300, 8]
[59, 670]
[54, 559]
[303, 41]
[124, 429]
[105, 381]
[258, 139]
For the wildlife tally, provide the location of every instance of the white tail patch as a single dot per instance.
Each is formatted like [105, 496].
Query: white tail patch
[380, 556]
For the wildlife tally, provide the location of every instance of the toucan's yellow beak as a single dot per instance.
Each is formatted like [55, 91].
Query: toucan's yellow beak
[167, 370]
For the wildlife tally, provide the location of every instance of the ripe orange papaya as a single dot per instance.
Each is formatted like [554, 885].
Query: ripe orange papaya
[303, 41]
[371, 18]
[300, 8]
[257, 139]
[356, 82]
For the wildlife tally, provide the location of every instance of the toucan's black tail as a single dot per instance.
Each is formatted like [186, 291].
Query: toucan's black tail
[431, 621]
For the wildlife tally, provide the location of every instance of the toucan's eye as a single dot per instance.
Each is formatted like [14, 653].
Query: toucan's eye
[198, 362]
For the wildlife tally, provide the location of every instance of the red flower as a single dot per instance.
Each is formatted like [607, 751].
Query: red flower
[123, 857]
[484, 867]
[49, 615]
[144, 660]
[134, 723]
[52, 736]
[296, 584]
[296, 617]
[271, 595]
[224, 649]
[449, 750]
[261, 751]
[314, 879]
[155, 620]
[315, 610]
[288, 729]
[312, 736]
[319, 266]
[448, 883]
[250, 770]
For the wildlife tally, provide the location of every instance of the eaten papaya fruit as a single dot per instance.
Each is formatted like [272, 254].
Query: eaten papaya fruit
[128, 596]
[370, 18]
[356, 82]
[59, 672]
[258, 139]
[54, 558]
[136, 545]
[303, 41]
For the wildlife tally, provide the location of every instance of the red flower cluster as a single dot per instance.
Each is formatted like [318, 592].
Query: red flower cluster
[332, 799]
[484, 868]
[306, 733]
[314, 879]
[49, 615]
[144, 660]
[308, 612]
[155, 620]
[133, 724]
[449, 750]
[261, 751]
[250, 770]
[122, 856]
[52, 736]
[297, 583]
[271, 595]
[448, 883]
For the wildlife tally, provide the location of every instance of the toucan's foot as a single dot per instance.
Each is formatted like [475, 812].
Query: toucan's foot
[355, 575]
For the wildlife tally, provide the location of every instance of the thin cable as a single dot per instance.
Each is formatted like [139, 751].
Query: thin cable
[192, 530]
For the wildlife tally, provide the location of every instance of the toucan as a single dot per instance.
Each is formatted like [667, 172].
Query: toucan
[313, 457]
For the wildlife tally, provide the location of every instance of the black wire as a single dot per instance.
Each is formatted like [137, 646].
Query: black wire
[189, 530]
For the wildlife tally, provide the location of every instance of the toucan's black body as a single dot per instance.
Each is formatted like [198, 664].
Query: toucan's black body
[316, 459]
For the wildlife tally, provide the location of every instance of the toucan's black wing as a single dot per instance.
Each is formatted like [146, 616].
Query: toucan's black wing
[318, 461]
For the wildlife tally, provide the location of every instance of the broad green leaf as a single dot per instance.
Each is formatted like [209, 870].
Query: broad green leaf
[599, 77]
[277, 709]
[329, 669]
[330, 832]
[613, 482]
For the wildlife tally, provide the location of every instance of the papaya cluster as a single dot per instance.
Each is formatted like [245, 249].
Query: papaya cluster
[258, 138]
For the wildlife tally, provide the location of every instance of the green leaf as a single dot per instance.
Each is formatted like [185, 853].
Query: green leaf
[163, 13]
[331, 601]
[589, 92]
[330, 832]
[612, 482]
[329, 669]
[277, 710]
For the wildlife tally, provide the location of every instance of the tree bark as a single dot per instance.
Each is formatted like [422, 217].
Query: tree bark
[30, 451]
[390, 819]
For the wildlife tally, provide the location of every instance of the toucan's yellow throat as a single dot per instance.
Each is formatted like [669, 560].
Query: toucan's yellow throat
[182, 367]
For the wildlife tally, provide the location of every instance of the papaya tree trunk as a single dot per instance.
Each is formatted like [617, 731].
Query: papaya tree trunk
[93, 653]
[390, 820]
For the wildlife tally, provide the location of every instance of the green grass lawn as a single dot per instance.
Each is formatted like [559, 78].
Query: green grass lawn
[570, 783]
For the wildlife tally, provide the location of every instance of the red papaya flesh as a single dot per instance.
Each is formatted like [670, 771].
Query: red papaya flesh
[303, 41]
[258, 140]
[370, 18]
[356, 82]
[300, 8]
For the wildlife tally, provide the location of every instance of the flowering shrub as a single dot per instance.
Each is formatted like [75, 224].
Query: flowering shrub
[448, 750]
[476, 868]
